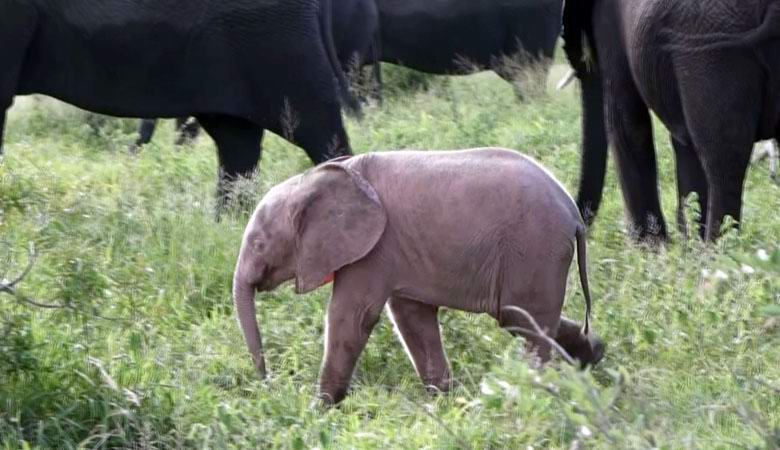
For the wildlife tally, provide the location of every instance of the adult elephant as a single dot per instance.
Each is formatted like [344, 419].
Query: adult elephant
[709, 70]
[240, 67]
[457, 36]
[355, 26]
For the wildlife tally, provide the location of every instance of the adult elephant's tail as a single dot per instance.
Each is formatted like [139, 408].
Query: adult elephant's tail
[580, 48]
[350, 102]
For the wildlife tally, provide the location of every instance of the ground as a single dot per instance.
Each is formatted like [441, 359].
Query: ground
[145, 351]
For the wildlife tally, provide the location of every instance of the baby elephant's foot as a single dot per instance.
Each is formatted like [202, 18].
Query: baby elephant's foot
[328, 398]
[587, 349]
[591, 353]
[440, 386]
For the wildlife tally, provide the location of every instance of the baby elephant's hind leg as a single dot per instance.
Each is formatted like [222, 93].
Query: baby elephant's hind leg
[516, 323]
[588, 350]
[417, 325]
[531, 305]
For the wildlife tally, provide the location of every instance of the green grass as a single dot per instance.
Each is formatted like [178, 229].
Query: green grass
[147, 352]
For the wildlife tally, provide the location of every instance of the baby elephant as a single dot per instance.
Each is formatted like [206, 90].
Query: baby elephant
[484, 230]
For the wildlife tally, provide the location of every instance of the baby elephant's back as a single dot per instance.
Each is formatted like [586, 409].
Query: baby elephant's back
[473, 195]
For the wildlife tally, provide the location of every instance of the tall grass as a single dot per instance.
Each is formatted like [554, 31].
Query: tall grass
[146, 353]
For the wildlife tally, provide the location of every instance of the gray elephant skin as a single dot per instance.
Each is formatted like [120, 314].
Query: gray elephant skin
[457, 36]
[481, 230]
[356, 41]
[709, 70]
[239, 67]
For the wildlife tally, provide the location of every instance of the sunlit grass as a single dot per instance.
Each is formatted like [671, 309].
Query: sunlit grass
[147, 352]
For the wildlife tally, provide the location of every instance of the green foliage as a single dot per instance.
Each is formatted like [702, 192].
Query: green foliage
[146, 353]
[400, 81]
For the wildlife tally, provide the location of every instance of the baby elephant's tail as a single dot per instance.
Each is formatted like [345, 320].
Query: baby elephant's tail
[582, 263]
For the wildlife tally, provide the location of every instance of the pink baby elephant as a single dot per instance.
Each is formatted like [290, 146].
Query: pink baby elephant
[484, 230]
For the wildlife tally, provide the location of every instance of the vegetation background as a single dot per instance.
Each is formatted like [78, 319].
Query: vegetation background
[144, 350]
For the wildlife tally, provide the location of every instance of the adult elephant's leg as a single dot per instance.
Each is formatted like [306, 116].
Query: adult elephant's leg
[187, 130]
[726, 172]
[722, 113]
[593, 163]
[631, 133]
[145, 132]
[19, 26]
[417, 326]
[238, 146]
[690, 178]
[774, 156]
[319, 130]
[2, 130]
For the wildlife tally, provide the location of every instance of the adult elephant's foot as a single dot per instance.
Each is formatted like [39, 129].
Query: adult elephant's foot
[588, 210]
[652, 232]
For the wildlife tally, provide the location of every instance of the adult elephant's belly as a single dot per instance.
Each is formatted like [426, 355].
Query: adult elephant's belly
[442, 45]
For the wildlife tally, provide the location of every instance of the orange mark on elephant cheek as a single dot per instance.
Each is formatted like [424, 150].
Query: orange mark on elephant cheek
[328, 279]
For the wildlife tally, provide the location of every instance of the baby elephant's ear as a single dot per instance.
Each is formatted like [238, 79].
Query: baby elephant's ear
[338, 218]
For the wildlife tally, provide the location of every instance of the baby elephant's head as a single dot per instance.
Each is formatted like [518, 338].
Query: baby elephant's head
[305, 228]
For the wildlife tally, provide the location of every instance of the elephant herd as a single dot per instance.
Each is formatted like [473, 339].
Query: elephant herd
[710, 71]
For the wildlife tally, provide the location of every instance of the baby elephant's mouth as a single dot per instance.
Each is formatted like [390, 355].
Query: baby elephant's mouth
[265, 280]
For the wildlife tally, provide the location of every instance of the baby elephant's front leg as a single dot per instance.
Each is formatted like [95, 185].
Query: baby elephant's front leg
[351, 318]
[417, 325]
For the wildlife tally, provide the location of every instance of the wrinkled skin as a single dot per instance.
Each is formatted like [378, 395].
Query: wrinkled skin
[457, 36]
[355, 37]
[237, 68]
[709, 70]
[474, 230]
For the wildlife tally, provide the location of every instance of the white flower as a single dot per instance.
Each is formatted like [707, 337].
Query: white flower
[585, 432]
[365, 435]
[762, 254]
[747, 269]
[486, 390]
[510, 390]
[721, 275]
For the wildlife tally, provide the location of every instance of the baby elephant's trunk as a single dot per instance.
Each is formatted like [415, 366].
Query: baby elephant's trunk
[244, 298]
[582, 263]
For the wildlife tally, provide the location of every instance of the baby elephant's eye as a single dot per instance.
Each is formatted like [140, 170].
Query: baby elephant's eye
[259, 244]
